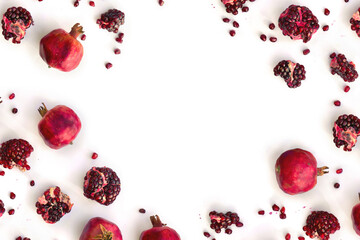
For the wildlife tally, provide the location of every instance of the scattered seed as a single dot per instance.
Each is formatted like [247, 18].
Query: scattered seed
[273, 39]
[11, 211]
[336, 185]
[301, 238]
[239, 224]
[287, 236]
[261, 212]
[142, 210]
[337, 103]
[2, 173]
[0, 100]
[245, 9]
[91, 3]
[12, 195]
[306, 51]
[333, 55]
[346, 1]
[346, 88]
[117, 51]
[282, 215]
[272, 26]
[263, 37]
[232, 32]
[20, 238]
[325, 28]
[282, 210]
[206, 234]
[339, 171]
[226, 20]
[94, 155]
[236, 24]
[120, 37]
[83, 37]
[32, 183]
[326, 11]
[76, 3]
[14, 110]
[275, 207]
[108, 65]
[228, 231]
[12, 96]
[161, 2]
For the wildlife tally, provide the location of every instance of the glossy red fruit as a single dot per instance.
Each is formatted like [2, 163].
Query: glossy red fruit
[355, 216]
[59, 125]
[101, 229]
[159, 231]
[61, 50]
[296, 171]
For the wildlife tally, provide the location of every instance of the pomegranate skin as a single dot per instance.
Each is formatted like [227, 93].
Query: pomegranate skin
[101, 229]
[296, 171]
[59, 126]
[61, 50]
[355, 216]
[159, 231]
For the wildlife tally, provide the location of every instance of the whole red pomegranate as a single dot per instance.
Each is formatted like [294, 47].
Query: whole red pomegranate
[355, 216]
[159, 231]
[296, 171]
[101, 229]
[61, 50]
[59, 126]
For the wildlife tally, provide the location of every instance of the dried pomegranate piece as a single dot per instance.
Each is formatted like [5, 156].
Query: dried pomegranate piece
[15, 22]
[53, 205]
[292, 73]
[345, 131]
[111, 20]
[14, 153]
[298, 22]
[342, 67]
[320, 224]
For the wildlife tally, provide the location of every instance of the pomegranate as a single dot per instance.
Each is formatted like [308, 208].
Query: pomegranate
[111, 20]
[345, 131]
[101, 229]
[15, 22]
[355, 22]
[59, 126]
[355, 216]
[61, 50]
[159, 231]
[339, 65]
[296, 171]
[320, 224]
[15, 153]
[292, 73]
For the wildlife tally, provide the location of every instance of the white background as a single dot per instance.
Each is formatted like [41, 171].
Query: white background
[191, 119]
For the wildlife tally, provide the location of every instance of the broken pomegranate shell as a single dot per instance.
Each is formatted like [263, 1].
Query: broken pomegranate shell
[59, 126]
[111, 20]
[15, 152]
[15, 22]
[292, 73]
[296, 171]
[53, 205]
[339, 65]
[298, 22]
[100, 229]
[102, 185]
[345, 131]
[320, 224]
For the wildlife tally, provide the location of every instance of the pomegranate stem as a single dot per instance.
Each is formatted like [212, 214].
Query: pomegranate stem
[42, 110]
[156, 222]
[76, 30]
[322, 170]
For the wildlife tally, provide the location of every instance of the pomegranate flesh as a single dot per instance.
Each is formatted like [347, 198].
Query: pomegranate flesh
[53, 205]
[296, 171]
[61, 50]
[15, 153]
[298, 22]
[159, 231]
[59, 126]
[339, 65]
[111, 20]
[102, 185]
[345, 131]
[15, 22]
[320, 224]
[100, 229]
[292, 73]
[355, 216]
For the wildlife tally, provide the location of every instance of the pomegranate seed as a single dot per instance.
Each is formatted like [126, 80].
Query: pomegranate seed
[336, 185]
[11, 211]
[228, 231]
[142, 210]
[326, 11]
[273, 39]
[14, 110]
[12, 96]
[282, 215]
[337, 103]
[333, 55]
[0, 100]
[287, 236]
[161, 2]
[2, 173]
[117, 51]
[272, 26]
[120, 37]
[275, 207]
[76, 3]
[12, 195]
[339, 171]
[226, 20]
[232, 33]
[263, 37]
[236, 24]
[245, 9]
[301, 238]
[108, 65]
[239, 224]
[94, 155]
[83, 37]
[20, 238]
[206, 234]
[346, 88]
[92, 4]
[25, 238]
[306, 51]
[282, 210]
[325, 28]
[346, 1]
[32, 183]
[261, 212]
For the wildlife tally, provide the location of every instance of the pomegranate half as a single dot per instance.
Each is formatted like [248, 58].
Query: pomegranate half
[100, 229]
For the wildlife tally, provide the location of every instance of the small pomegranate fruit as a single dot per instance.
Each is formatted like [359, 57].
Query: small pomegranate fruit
[102, 185]
[221, 220]
[14, 153]
[15, 22]
[355, 22]
[340, 65]
[320, 224]
[298, 22]
[53, 205]
[296, 171]
[111, 20]
[101, 229]
[61, 50]
[2, 208]
[59, 126]
[292, 73]
[345, 131]
[159, 231]
[355, 216]
[232, 6]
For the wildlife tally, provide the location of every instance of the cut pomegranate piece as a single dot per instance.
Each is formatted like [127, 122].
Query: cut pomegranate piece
[2, 208]
[355, 22]
[111, 20]
[320, 224]
[298, 22]
[102, 185]
[345, 131]
[232, 6]
[14, 153]
[15, 22]
[53, 205]
[292, 73]
[342, 67]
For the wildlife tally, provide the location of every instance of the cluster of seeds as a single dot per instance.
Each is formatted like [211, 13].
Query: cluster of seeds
[292, 73]
[219, 220]
[320, 224]
[339, 65]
